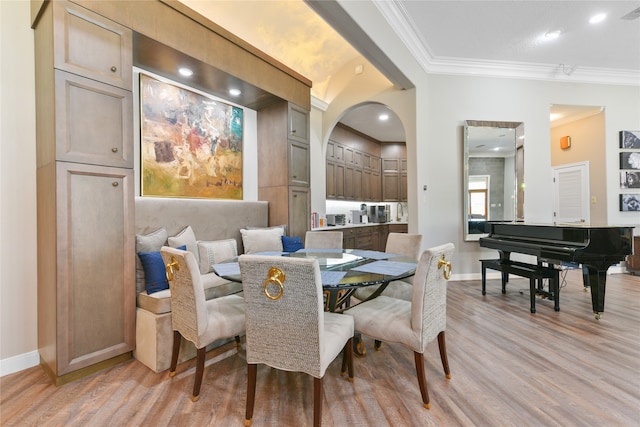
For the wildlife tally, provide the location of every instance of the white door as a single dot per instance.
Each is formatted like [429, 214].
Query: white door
[571, 193]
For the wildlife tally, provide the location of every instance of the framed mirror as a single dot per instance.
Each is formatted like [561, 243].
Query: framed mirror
[493, 174]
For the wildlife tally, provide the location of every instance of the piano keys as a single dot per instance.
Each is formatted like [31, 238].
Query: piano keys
[596, 248]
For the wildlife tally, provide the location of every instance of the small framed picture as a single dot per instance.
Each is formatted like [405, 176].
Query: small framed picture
[630, 160]
[629, 179]
[630, 202]
[630, 139]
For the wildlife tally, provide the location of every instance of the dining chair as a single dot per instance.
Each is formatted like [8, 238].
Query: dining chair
[287, 328]
[397, 243]
[192, 317]
[323, 240]
[415, 323]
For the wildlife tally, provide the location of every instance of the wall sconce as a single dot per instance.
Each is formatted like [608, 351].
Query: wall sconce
[565, 142]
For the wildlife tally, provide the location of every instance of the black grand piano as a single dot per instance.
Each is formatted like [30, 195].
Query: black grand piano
[596, 248]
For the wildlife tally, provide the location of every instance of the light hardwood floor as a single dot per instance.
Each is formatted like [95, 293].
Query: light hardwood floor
[509, 368]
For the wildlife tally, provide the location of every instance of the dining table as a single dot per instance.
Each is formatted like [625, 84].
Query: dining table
[342, 272]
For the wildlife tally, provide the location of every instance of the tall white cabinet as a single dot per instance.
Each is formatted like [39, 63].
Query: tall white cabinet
[85, 190]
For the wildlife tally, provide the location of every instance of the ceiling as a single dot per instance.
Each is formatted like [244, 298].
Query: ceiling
[493, 38]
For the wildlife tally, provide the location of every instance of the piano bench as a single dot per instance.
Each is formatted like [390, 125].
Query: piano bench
[533, 272]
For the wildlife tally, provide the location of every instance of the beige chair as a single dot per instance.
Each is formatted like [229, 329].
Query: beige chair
[413, 324]
[403, 244]
[198, 320]
[323, 240]
[287, 328]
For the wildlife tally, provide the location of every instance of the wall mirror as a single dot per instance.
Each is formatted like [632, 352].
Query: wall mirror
[493, 174]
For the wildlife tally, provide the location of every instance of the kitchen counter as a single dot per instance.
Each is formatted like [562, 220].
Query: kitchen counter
[349, 225]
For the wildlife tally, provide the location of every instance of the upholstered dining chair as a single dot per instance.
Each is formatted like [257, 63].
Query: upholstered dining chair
[323, 240]
[193, 318]
[287, 328]
[397, 243]
[413, 324]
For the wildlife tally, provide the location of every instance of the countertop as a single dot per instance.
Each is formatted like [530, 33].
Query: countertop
[371, 224]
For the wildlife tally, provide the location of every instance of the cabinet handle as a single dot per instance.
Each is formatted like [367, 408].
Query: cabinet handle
[115, 183]
[295, 176]
[114, 150]
[114, 69]
[293, 131]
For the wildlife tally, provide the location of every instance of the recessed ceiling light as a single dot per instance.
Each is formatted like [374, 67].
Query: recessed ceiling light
[597, 18]
[235, 92]
[383, 117]
[185, 72]
[552, 35]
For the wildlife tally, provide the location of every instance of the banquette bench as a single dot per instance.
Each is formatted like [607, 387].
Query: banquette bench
[212, 225]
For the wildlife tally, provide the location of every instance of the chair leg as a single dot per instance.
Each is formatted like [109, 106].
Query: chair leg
[177, 338]
[252, 370]
[202, 352]
[422, 382]
[347, 359]
[442, 345]
[317, 402]
[377, 344]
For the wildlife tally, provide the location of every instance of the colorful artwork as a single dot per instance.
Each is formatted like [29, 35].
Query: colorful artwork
[191, 145]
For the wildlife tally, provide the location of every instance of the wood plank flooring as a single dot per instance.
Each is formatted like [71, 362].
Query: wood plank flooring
[509, 368]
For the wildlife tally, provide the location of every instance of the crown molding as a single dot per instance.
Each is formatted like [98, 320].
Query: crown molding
[405, 27]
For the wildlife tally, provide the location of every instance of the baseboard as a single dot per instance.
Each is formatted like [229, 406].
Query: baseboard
[19, 363]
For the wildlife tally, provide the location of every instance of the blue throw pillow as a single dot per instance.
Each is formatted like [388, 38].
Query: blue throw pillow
[155, 276]
[291, 244]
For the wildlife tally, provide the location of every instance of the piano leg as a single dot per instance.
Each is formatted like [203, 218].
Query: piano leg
[596, 279]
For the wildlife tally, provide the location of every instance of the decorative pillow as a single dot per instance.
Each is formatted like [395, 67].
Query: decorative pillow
[155, 274]
[292, 244]
[151, 242]
[262, 240]
[185, 237]
[215, 252]
[283, 226]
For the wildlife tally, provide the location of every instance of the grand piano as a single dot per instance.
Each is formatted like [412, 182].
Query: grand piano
[596, 248]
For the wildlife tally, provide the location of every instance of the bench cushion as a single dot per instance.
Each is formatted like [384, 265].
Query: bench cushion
[214, 286]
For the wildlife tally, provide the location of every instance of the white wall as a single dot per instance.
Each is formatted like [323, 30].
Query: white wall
[18, 314]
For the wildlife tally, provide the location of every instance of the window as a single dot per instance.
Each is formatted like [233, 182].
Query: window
[478, 195]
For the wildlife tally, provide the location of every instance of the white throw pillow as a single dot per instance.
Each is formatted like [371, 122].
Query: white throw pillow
[187, 238]
[214, 252]
[263, 240]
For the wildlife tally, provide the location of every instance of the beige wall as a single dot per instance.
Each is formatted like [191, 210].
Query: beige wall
[18, 188]
[587, 144]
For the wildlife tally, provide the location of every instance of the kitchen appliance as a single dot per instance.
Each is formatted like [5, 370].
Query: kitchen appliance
[331, 220]
[341, 219]
[359, 217]
[378, 213]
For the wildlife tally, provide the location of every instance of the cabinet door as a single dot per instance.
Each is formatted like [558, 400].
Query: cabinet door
[390, 165]
[331, 180]
[298, 123]
[339, 152]
[299, 211]
[331, 151]
[298, 163]
[375, 163]
[94, 123]
[340, 170]
[367, 194]
[403, 187]
[357, 159]
[357, 184]
[96, 264]
[348, 155]
[390, 187]
[348, 238]
[376, 187]
[349, 182]
[90, 45]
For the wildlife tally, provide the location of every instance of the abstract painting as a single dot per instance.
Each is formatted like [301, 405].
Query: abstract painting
[191, 144]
